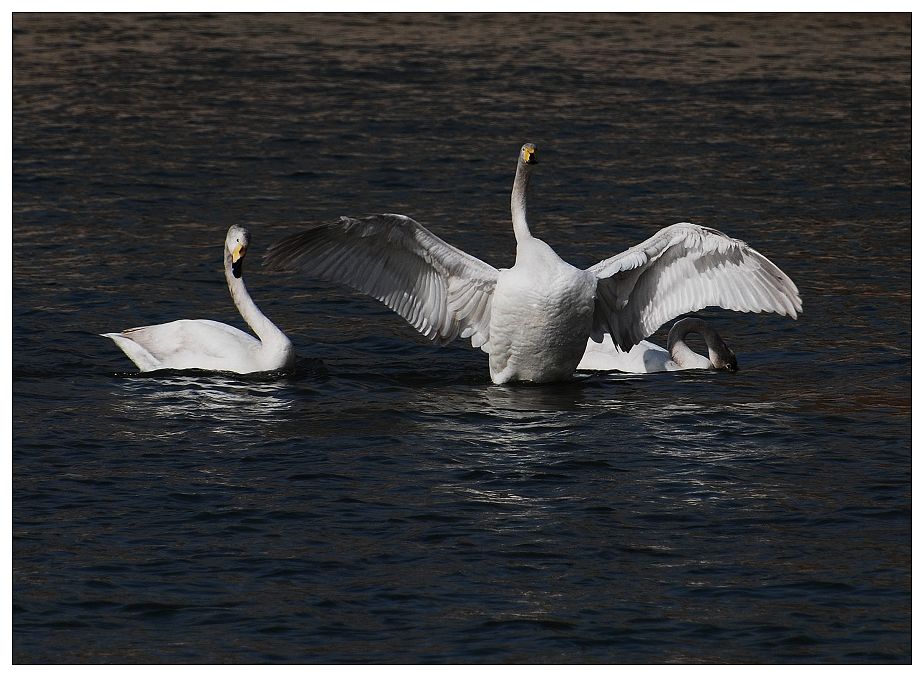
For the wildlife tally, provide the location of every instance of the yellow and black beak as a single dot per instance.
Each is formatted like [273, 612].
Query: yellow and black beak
[529, 154]
[237, 260]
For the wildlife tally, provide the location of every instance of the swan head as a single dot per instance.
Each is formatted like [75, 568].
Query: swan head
[528, 154]
[722, 357]
[237, 242]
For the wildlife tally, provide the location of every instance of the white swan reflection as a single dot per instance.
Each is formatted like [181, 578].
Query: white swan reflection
[232, 404]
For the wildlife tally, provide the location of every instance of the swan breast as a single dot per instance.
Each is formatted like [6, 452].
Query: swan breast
[540, 320]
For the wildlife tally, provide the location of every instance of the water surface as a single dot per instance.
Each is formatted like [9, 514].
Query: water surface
[384, 502]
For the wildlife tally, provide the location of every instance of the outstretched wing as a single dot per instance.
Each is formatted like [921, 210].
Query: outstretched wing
[681, 269]
[441, 291]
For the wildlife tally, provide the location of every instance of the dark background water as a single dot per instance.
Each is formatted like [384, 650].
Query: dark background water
[385, 502]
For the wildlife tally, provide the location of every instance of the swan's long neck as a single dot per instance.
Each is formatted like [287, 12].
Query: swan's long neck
[685, 356]
[268, 333]
[518, 202]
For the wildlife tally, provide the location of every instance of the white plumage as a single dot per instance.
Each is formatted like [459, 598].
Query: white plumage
[646, 357]
[534, 319]
[210, 345]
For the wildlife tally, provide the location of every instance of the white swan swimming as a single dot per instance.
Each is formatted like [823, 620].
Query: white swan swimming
[646, 357]
[206, 344]
[533, 320]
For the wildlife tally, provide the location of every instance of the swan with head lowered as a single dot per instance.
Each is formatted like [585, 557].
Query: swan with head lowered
[210, 345]
[533, 320]
[646, 357]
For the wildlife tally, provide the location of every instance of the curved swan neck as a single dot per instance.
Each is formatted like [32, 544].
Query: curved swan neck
[720, 355]
[518, 201]
[685, 356]
[265, 330]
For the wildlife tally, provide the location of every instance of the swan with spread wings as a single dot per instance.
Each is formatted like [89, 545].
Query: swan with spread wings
[533, 320]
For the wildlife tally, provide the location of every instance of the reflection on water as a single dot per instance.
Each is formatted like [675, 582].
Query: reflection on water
[402, 508]
[524, 398]
[228, 405]
[516, 449]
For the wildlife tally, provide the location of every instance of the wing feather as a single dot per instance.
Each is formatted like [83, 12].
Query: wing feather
[440, 290]
[681, 269]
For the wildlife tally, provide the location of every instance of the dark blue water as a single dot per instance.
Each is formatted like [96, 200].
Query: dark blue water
[384, 502]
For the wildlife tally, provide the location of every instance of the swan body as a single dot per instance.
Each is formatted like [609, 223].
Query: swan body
[646, 357]
[533, 320]
[541, 316]
[210, 345]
